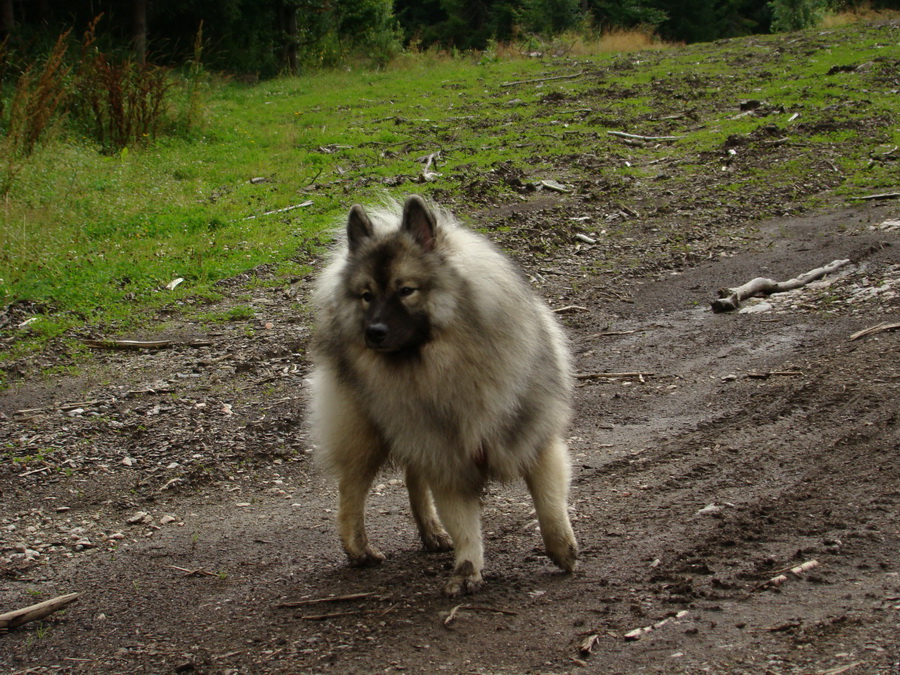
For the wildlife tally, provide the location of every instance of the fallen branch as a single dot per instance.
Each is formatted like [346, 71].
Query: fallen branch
[570, 308]
[886, 195]
[17, 617]
[780, 577]
[352, 612]
[773, 373]
[731, 298]
[476, 608]
[637, 633]
[622, 134]
[880, 328]
[284, 210]
[142, 344]
[598, 376]
[194, 573]
[542, 79]
[333, 598]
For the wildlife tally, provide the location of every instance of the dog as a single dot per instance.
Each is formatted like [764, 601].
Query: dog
[432, 352]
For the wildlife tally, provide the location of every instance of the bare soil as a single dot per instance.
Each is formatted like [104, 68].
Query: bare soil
[174, 488]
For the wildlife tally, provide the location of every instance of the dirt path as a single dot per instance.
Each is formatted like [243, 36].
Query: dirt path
[174, 489]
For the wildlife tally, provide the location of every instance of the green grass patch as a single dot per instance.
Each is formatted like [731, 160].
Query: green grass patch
[88, 239]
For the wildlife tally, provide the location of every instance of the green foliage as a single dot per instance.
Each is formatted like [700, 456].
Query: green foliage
[788, 15]
[93, 240]
[119, 102]
[38, 92]
[550, 17]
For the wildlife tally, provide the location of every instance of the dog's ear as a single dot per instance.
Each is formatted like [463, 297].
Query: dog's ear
[419, 221]
[359, 227]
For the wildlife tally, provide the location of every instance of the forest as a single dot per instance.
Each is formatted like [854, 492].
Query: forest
[270, 37]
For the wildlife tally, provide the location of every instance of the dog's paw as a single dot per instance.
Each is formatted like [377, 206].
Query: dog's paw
[464, 581]
[437, 542]
[565, 556]
[368, 558]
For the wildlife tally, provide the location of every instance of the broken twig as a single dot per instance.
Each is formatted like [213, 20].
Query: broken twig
[284, 210]
[731, 298]
[612, 376]
[476, 608]
[543, 79]
[17, 617]
[142, 344]
[622, 134]
[333, 598]
[880, 328]
[886, 195]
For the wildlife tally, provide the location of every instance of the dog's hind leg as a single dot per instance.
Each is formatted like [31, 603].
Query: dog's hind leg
[434, 538]
[461, 514]
[548, 482]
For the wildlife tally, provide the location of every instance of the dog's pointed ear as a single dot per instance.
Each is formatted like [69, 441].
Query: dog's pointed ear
[359, 227]
[420, 222]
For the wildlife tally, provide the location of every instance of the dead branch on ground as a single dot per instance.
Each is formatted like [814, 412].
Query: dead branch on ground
[142, 344]
[476, 608]
[636, 137]
[543, 79]
[613, 376]
[880, 328]
[332, 598]
[731, 298]
[17, 617]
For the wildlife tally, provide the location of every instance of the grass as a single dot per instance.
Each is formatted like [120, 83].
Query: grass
[89, 242]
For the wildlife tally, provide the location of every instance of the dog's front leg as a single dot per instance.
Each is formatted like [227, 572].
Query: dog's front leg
[461, 514]
[353, 488]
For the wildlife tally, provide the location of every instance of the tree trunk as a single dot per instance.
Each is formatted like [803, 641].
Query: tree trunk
[139, 9]
[291, 33]
[7, 21]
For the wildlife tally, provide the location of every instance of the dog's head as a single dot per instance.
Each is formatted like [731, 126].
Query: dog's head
[391, 275]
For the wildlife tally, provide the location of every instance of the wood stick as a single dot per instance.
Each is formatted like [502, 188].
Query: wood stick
[352, 612]
[880, 328]
[476, 608]
[622, 134]
[597, 376]
[334, 598]
[886, 195]
[284, 210]
[543, 79]
[17, 617]
[193, 573]
[142, 344]
[731, 298]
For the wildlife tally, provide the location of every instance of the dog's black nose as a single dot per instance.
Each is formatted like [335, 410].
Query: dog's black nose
[376, 333]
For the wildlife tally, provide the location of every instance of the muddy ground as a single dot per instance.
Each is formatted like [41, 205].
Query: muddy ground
[175, 488]
[751, 443]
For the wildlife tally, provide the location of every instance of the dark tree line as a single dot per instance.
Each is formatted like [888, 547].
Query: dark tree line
[270, 36]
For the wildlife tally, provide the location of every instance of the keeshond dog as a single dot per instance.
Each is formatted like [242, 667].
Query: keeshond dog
[433, 353]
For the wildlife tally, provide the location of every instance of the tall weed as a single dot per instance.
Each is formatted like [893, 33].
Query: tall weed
[121, 103]
[39, 91]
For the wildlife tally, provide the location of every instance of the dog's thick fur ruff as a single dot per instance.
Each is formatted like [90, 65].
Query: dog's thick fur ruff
[432, 352]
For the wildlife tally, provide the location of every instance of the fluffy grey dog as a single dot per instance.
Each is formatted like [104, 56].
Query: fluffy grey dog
[433, 353]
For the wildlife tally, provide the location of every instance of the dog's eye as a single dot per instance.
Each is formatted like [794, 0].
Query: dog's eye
[406, 291]
[366, 296]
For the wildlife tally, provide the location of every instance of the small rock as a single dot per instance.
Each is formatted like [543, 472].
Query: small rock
[165, 520]
[709, 510]
[758, 308]
[138, 518]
